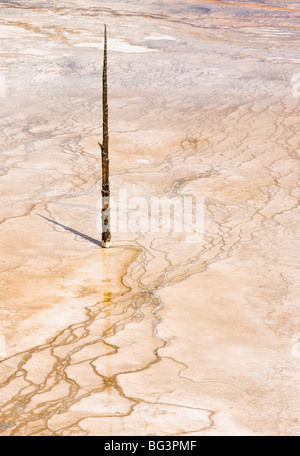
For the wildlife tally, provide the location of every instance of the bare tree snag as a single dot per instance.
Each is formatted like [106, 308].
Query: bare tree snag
[106, 235]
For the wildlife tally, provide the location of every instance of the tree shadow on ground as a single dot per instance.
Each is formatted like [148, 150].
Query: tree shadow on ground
[71, 230]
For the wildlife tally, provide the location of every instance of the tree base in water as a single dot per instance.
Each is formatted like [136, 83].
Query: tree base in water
[106, 244]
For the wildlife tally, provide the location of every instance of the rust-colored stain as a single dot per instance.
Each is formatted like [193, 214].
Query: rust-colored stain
[108, 324]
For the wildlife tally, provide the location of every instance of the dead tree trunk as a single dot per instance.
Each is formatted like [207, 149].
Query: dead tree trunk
[106, 235]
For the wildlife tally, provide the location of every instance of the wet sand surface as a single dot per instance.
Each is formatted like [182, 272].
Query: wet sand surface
[155, 336]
